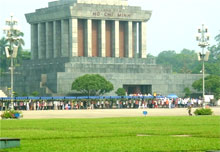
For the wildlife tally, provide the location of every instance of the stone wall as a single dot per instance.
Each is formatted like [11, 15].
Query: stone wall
[55, 77]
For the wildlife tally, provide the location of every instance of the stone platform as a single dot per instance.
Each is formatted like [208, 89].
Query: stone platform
[54, 77]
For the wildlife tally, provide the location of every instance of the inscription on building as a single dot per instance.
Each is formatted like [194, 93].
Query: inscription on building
[111, 14]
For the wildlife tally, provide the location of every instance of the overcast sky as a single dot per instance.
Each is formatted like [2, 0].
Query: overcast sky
[173, 24]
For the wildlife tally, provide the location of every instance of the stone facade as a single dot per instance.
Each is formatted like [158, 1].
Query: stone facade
[71, 38]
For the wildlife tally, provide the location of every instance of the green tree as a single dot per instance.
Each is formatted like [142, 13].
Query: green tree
[187, 59]
[121, 92]
[16, 94]
[20, 43]
[215, 49]
[212, 85]
[187, 92]
[35, 93]
[183, 62]
[3, 44]
[3, 61]
[92, 84]
[150, 56]
[212, 66]
[166, 58]
[22, 55]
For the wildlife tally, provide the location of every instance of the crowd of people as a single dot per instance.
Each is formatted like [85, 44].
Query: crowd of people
[100, 104]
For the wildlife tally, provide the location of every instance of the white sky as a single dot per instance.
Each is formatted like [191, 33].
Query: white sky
[173, 25]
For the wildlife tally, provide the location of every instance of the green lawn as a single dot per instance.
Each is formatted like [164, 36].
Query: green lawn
[115, 134]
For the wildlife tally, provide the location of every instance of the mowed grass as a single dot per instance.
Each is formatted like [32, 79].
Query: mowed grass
[137, 134]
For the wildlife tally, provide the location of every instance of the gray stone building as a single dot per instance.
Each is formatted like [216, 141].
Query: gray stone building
[71, 38]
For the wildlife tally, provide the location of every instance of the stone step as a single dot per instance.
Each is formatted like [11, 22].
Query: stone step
[2, 94]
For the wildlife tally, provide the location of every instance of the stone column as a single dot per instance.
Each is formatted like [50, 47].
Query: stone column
[49, 40]
[88, 36]
[128, 40]
[102, 38]
[57, 39]
[115, 40]
[134, 39]
[64, 38]
[34, 41]
[142, 40]
[73, 37]
[42, 40]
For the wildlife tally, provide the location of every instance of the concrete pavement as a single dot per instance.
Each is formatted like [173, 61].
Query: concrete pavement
[107, 113]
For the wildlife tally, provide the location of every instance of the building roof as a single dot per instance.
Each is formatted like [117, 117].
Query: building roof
[89, 9]
[100, 2]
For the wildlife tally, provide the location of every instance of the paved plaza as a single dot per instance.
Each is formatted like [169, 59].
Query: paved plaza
[108, 113]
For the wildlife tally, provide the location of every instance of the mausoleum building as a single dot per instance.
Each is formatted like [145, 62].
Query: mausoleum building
[71, 38]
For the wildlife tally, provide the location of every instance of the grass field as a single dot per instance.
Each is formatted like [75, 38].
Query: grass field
[138, 134]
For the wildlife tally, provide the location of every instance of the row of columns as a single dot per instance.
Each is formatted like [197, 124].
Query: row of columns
[60, 39]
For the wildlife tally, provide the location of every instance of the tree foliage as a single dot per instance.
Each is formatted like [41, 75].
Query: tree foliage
[121, 92]
[187, 61]
[92, 85]
[35, 93]
[212, 85]
[187, 92]
[181, 63]
[3, 61]
[22, 54]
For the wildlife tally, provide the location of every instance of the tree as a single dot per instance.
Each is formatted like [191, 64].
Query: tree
[187, 92]
[121, 92]
[187, 59]
[215, 49]
[35, 93]
[20, 43]
[212, 66]
[3, 44]
[25, 55]
[212, 85]
[3, 61]
[16, 94]
[92, 84]
[150, 56]
[183, 62]
[22, 55]
[166, 57]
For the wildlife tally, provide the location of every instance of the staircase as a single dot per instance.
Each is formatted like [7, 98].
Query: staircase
[43, 85]
[2, 94]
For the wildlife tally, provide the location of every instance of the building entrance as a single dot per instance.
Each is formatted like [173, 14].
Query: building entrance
[138, 89]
